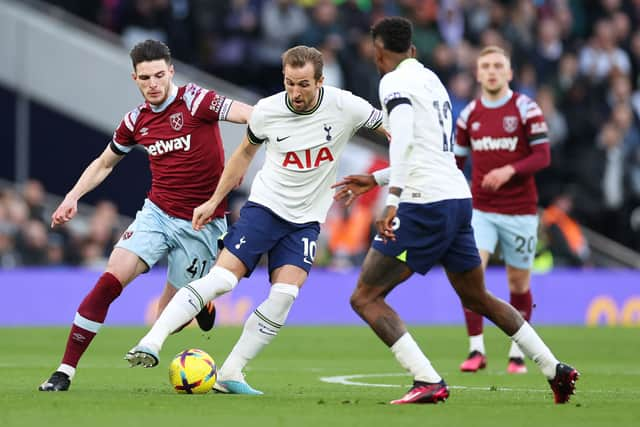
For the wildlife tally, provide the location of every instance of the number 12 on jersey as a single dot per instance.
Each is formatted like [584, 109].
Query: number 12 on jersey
[443, 115]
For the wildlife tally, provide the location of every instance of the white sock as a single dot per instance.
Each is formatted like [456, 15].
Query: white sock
[67, 369]
[260, 329]
[476, 343]
[533, 346]
[411, 358]
[515, 351]
[188, 302]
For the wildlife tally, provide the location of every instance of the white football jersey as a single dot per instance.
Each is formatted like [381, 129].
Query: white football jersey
[302, 150]
[432, 173]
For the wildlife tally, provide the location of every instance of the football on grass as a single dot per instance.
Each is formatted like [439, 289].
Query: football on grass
[192, 371]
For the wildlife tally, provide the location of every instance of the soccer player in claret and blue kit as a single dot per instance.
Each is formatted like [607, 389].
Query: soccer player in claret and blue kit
[427, 220]
[505, 134]
[178, 128]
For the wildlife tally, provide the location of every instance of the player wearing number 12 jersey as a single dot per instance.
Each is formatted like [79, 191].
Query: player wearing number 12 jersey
[506, 135]
[178, 128]
[304, 130]
[427, 220]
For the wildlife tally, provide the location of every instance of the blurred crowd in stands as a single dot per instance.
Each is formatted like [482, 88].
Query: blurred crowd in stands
[580, 59]
[26, 238]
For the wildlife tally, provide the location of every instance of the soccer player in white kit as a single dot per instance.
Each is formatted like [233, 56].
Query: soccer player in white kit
[304, 129]
[427, 220]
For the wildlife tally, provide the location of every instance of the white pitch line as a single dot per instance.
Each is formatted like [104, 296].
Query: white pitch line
[349, 380]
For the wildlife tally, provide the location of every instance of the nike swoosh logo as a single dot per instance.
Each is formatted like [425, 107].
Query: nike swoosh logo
[307, 261]
[282, 139]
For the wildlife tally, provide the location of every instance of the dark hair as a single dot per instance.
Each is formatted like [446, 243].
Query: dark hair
[395, 32]
[299, 56]
[149, 50]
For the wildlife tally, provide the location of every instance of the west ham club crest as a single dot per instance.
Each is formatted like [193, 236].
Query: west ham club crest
[510, 123]
[176, 121]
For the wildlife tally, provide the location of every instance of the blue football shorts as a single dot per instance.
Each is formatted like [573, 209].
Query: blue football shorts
[431, 233]
[517, 234]
[191, 253]
[259, 231]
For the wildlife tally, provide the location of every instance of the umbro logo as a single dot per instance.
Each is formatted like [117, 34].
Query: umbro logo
[144, 131]
[282, 139]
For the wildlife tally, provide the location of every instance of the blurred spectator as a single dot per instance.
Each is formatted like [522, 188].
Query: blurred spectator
[361, 74]
[144, 19]
[282, 22]
[323, 27]
[233, 58]
[9, 257]
[564, 236]
[548, 51]
[349, 230]
[332, 69]
[33, 193]
[622, 117]
[600, 200]
[451, 22]
[601, 55]
[32, 243]
[550, 179]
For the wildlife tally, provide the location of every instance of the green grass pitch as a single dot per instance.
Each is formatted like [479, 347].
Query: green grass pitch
[291, 370]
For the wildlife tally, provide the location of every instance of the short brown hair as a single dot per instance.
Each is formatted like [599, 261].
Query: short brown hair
[149, 50]
[299, 56]
[494, 49]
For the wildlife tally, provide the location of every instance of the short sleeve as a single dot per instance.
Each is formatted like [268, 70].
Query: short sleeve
[462, 130]
[363, 113]
[207, 105]
[256, 131]
[535, 125]
[392, 93]
[123, 140]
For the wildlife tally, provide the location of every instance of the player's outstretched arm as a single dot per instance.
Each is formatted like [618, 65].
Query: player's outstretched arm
[351, 186]
[233, 173]
[92, 176]
[239, 112]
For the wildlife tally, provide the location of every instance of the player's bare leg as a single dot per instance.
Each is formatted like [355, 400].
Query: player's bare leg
[470, 288]
[477, 358]
[519, 280]
[380, 274]
[122, 268]
[260, 328]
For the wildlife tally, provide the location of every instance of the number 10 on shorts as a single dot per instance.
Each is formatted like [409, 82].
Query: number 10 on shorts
[310, 248]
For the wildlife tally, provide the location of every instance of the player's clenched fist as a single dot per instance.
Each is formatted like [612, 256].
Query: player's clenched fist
[67, 210]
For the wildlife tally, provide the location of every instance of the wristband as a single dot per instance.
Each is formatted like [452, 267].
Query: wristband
[393, 200]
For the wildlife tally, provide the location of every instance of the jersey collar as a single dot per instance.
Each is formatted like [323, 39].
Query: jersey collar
[498, 102]
[406, 62]
[287, 101]
[173, 92]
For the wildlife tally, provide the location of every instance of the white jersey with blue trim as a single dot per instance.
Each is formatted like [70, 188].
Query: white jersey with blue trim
[302, 149]
[432, 174]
